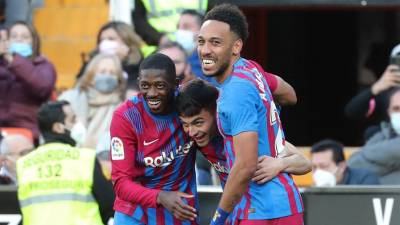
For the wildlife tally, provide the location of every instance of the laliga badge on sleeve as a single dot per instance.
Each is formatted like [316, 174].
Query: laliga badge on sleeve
[117, 149]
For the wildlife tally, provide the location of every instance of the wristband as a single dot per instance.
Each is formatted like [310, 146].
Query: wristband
[219, 217]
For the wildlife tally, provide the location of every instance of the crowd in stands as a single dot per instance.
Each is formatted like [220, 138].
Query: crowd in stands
[109, 76]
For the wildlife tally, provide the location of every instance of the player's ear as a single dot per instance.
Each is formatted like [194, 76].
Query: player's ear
[237, 47]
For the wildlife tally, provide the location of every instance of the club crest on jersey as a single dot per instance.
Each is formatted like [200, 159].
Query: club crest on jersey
[117, 149]
[167, 157]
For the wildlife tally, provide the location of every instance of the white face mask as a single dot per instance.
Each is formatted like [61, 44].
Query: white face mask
[186, 39]
[323, 178]
[78, 133]
[108, 47]
[395, 122]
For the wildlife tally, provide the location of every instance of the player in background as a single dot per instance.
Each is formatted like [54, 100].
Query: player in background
[249, 122]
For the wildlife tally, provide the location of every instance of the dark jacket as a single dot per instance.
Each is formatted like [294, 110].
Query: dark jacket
[24, 86]
[381, 154]
[354, 176]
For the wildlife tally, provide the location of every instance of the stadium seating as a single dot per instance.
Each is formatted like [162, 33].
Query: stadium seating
[16, 130]
[306, 180]
[67, 29]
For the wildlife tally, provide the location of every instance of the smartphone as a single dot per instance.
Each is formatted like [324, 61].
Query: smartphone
[395, 60]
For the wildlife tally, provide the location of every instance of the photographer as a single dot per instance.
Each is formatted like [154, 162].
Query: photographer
[371, 103]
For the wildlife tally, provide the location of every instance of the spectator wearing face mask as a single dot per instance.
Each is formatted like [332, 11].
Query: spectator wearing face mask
[98, 92]
[381, 152]
[118, 38]
[27, 79]
[188, 28]
[330, 168]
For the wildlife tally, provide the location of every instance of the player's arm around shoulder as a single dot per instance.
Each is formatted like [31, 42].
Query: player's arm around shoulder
[293, 162]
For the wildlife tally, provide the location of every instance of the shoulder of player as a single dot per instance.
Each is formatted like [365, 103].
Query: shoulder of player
[240, 85]
[127, 105]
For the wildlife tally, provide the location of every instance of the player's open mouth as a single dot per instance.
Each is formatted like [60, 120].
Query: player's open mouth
[154, 103]
[199, 138]
[208, 63]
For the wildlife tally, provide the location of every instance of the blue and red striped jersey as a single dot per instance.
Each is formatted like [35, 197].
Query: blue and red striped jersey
[246, 104]
[215, 154]
[150, 153]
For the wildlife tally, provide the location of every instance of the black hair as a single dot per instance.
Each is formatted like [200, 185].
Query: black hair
[233, 16]
[195, 96]
[50, 113]
[195, 13]
[159, 61]
[330, 145]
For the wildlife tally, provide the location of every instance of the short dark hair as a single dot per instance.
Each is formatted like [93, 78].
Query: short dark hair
[330, 145]
[195, 96]
[233, 16]
[50, 113]
[159, 61]
[195, 13]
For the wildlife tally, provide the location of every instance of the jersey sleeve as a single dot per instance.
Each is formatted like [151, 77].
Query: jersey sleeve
[270, 78]
[242, 107]
[124, 170]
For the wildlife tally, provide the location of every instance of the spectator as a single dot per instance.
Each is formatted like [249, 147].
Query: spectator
[381, 152]
[11, 149]
[120, 39]
[27, 79]
[188, 28]
[178, 55]
[330, 169]
[99, 91]
[154, 19]
[76, 191]
[371, 103]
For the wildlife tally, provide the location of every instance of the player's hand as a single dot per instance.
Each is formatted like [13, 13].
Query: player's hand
[172, 201]
[390, 78]
[267, 169]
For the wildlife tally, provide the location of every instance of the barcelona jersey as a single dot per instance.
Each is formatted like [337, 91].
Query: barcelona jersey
[245, 104]
[150, 153]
